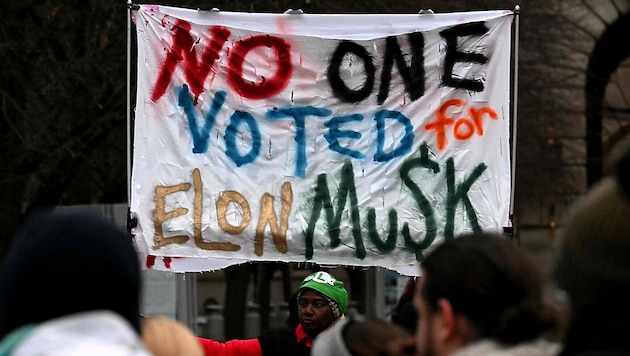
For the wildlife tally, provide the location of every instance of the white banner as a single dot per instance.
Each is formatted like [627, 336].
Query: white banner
[359, 140]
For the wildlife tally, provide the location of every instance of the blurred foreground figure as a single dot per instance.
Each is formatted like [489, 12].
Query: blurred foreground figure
[592, 265]
[321, 301]
[480, 294]
[70, 285]
[365, 337]
[405, 314]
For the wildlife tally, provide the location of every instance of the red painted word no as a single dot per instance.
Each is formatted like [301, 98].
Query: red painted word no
[197, 70]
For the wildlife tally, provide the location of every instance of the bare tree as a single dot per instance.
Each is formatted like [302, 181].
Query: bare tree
[63, 106]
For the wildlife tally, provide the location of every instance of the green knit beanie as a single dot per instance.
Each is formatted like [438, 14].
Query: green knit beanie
[329, 286]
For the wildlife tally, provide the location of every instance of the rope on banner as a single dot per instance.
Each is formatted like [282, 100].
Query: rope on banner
[214, 9]
[132, 6]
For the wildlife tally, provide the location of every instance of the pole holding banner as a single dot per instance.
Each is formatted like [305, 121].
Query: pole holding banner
[129, 4]
[131, 222]
[186, 287]
[509, 230]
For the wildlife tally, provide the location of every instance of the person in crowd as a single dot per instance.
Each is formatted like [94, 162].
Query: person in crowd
[321, 301]
[592, 264]
[293, 320]
[70, 285]
[167, 337]
[405, 314]
[365, 337]
[480, 294]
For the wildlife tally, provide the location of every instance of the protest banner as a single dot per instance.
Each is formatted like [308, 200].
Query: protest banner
[358, 140]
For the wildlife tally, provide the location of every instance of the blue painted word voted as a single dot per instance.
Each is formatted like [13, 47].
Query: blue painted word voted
[201, 133]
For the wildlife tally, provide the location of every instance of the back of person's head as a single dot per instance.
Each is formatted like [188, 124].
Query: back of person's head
[330, 287]
[592, 261]
[65, 262]
[167, 337]
[492, 283]
[365, 337]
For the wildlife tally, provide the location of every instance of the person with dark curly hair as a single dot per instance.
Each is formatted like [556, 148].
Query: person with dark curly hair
[480, 294]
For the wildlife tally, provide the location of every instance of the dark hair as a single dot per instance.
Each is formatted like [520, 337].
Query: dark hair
[293, 320]
[405, 314]
[591, 262]
[621, 159]
[492, 282]
[374, 337]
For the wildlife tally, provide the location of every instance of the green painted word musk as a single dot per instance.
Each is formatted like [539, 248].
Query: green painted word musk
[347, 191]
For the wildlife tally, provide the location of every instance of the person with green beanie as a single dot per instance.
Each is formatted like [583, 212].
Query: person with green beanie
[332, 289]
[322, 299]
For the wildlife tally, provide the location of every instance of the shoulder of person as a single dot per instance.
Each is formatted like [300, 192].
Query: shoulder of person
[88, 333]
[538, 347]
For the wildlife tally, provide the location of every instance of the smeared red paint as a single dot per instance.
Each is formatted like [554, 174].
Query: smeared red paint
[167, 262]
[268, 86]
[282, 26]
[195, 71]
[150, 261]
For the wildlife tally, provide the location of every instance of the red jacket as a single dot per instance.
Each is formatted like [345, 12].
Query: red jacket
[276, 342]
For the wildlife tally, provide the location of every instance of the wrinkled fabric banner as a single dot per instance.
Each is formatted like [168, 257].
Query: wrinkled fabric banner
[357, 140]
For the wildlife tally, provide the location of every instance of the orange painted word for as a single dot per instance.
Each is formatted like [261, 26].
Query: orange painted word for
[463, 127]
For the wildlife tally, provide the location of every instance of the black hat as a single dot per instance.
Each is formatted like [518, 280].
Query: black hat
[65, 262]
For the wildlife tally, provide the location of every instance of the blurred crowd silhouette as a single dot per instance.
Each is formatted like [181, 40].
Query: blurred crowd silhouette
[478, 294]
